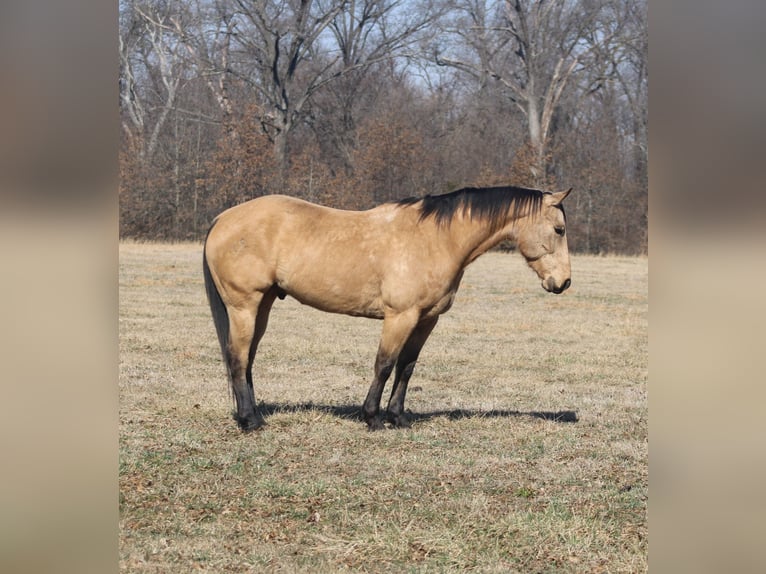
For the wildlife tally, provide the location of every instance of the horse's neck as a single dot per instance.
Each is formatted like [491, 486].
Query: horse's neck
[474, 238]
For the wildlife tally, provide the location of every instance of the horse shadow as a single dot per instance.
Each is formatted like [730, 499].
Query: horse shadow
[354, 412]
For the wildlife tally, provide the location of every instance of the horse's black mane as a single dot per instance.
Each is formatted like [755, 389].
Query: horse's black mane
[488, 203]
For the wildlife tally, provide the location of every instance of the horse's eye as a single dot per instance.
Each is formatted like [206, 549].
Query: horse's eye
[559, 231]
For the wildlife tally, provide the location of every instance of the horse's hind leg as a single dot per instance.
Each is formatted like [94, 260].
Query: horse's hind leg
[247, 325]
[261, 322]
[405, 365]
[241, 329]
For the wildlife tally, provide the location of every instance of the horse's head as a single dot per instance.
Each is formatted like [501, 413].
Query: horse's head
[542, 241]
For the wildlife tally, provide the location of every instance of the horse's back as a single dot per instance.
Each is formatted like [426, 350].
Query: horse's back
[266, 207]
[353, 262]
[269, 239]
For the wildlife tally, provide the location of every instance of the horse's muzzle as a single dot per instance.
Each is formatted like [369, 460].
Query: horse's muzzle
[550, 285]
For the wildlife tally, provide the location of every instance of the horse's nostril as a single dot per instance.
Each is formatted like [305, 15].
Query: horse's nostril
[566, 284]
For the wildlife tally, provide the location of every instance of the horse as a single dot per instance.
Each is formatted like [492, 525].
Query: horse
[401, 262]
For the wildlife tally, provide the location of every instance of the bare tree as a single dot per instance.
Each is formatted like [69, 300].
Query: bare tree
[277, 55]
[367, 33]
[628, 56]
[206, 34]
[151, 70]
[533, 48]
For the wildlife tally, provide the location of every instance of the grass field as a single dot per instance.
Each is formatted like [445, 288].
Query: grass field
[496, 475]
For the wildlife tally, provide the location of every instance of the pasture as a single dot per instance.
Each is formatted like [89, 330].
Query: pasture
[528, 450]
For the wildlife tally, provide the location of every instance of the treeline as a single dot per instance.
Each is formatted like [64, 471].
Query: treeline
[351, 103]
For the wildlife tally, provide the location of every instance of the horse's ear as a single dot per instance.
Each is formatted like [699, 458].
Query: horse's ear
[556, 198]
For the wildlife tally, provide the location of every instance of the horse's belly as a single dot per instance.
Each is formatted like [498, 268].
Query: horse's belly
[336, 298]
[340, 305]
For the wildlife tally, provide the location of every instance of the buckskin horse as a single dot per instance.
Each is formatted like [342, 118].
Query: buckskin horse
[401, 262]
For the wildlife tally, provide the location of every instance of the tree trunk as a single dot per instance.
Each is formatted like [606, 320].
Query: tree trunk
[536, 140]
[281, 154]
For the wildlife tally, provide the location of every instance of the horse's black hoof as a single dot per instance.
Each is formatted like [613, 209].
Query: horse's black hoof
[375, 424]
[400, 422]
[250, 424]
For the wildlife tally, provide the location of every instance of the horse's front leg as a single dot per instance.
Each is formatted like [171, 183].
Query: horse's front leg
[405, 365]
[384, 364]
[396, 330]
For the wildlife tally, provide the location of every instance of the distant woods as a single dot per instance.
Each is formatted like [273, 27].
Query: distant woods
[351, 103]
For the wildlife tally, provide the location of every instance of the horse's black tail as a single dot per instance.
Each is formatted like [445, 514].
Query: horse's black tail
[217, 306]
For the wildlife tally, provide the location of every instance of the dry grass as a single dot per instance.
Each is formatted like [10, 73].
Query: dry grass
[485, 481]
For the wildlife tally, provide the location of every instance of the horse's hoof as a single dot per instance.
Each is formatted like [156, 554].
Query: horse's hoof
[400, 421]
[375, 424]
[250, 424]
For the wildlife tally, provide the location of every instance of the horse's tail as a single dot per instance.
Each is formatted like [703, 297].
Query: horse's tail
[217, 306]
